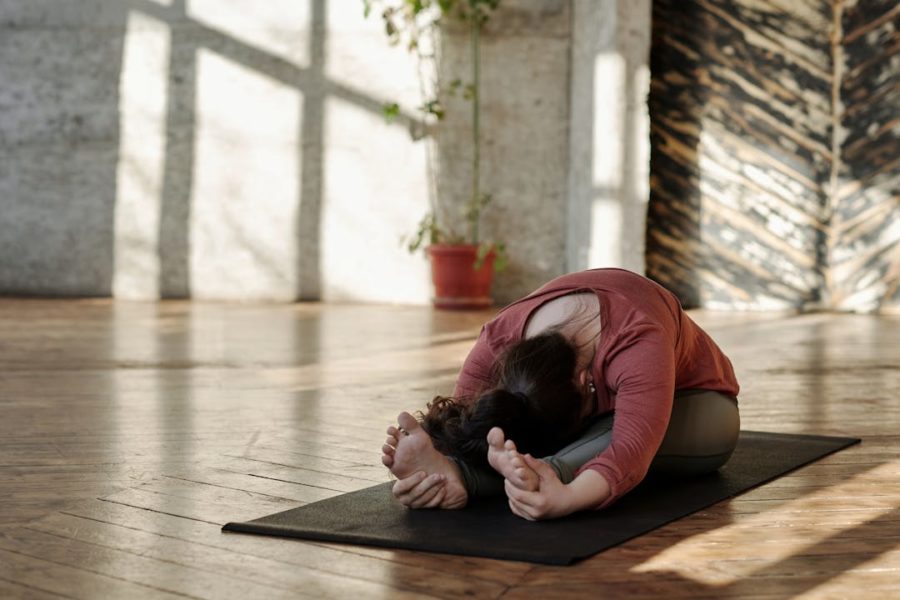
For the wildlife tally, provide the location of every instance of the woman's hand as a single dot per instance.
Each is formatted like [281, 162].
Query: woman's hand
[552, 499]
[420, 490]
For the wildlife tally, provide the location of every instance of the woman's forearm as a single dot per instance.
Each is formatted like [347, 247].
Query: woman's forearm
[588, 491]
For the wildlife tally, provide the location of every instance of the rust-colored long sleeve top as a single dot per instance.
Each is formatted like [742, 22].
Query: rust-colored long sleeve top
[648, 348]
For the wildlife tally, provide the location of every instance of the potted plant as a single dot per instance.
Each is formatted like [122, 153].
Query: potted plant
[462, 262]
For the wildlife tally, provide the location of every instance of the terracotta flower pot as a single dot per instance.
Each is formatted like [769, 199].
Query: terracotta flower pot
[457, 284]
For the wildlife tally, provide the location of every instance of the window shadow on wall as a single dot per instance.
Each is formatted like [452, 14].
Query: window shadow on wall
[191, 41]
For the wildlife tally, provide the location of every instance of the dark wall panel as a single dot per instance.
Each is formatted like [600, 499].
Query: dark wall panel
[865, 253]
[747, 144]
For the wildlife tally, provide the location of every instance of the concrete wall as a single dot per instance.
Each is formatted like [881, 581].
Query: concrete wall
[235, 150]
[525, 118]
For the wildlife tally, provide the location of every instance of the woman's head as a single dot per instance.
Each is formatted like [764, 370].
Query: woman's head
[536, 401]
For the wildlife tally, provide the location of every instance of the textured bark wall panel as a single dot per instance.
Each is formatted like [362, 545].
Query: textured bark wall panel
[741, 137]
[865, 252]
[766, 192]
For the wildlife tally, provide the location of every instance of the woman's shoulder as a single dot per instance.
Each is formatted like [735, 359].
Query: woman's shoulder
[560, 310]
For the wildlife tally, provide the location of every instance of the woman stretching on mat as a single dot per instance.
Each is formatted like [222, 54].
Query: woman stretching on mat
[600, 373]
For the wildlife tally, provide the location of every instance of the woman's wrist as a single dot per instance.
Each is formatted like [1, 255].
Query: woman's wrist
[588, 491]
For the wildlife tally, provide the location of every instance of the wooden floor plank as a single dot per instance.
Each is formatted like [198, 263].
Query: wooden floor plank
[136, 565]
[9, 589]
[288, 563]
[44, 574]
[298, 493]
[421, 569]
[231, 569]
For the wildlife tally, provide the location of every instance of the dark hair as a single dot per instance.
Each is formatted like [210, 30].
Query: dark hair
[535, 401]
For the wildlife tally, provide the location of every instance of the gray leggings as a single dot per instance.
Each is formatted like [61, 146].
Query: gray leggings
[702, 434]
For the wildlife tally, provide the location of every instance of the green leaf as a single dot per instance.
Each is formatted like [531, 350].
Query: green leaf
[416, 6]
[390, 111]
[502, 259]
[433, 107]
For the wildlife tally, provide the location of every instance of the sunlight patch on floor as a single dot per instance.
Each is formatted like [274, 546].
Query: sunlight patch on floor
[755, 542]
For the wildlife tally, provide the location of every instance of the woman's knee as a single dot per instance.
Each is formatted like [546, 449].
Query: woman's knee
[702, 433]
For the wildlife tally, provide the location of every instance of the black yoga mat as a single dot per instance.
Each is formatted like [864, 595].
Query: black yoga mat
[487, 528]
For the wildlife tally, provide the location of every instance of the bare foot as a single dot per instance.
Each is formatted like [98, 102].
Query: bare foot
[408, 450]
[506, 460]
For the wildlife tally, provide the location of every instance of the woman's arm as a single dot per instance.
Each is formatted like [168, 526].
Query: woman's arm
[642, 374]
[553, 498]
[477, 370]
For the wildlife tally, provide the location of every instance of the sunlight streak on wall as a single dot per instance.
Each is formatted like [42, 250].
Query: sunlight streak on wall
[608, 161]
[606, 233]
[270, 26]
[367, 212]
[609, 150]
[376, 184]
[246, 184]
[609, 113]
[142, 118]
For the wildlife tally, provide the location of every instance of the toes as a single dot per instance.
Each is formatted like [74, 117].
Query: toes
[407, 422]
[510, 445]
[392, 441]
[393, 432]
[387, 460]
[495, 437]
[388, 449]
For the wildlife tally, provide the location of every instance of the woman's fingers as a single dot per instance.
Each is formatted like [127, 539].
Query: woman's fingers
[418, 489]
[439, 497]
[543, 470]
[519, 510]
[421, 494]
[425, 500]
[534, 503]
[516, 493]
[403, 486]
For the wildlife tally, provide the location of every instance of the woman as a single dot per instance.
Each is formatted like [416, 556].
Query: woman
[600, 372]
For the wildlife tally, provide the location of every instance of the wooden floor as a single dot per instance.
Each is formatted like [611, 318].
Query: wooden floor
[130, 432]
